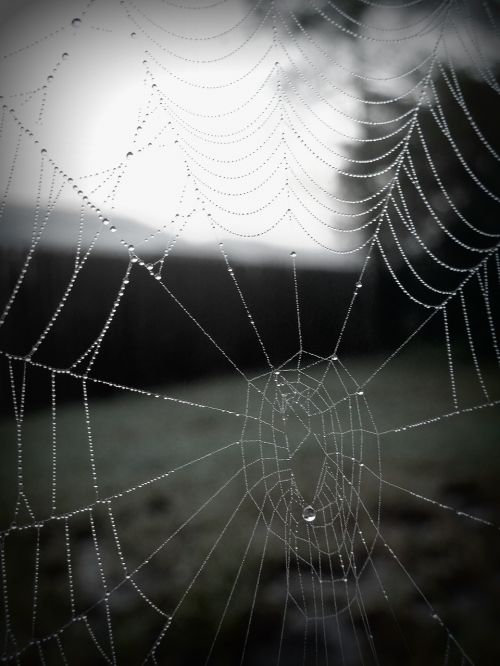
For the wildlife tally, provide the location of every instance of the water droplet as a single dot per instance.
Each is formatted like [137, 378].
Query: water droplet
[308, 514]
[112, 228]
[76, 22]
[133, 35]
[361, 392]
[65, 55]
[44, 151]
[130, 154]
[358, 285]
[293, 253]
[105, 221]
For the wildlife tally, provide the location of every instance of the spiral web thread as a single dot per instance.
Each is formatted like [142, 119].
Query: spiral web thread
[258, 153]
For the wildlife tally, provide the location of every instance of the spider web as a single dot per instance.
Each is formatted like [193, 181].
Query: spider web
[255, 519]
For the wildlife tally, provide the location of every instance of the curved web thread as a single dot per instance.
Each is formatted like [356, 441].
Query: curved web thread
[294, 484]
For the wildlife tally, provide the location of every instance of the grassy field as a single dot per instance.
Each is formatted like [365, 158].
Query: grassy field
[183, 535]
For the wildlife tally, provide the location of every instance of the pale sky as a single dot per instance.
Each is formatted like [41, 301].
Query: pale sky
[159, 82]
[112, 82]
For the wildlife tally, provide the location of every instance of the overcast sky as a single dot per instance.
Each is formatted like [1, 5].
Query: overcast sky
[130, 69]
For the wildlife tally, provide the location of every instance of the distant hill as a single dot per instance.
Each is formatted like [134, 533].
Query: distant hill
[63, 231]
[63, 228]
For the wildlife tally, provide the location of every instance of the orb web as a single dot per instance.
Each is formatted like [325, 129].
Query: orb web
[302, 449]
[305, 192]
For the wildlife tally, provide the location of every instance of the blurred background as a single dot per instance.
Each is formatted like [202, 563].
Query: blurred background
[199, 196]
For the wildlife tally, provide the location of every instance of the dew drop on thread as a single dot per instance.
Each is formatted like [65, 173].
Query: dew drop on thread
[308, 514]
